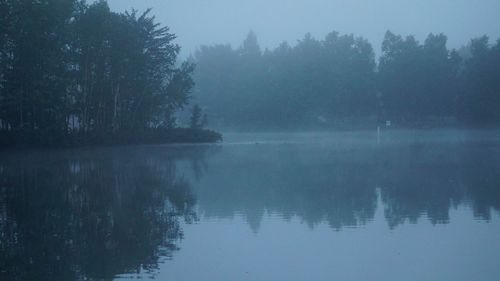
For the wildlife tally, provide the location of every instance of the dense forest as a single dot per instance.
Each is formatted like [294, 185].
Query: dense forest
[338, 82]
[72, 72]
[78, 73]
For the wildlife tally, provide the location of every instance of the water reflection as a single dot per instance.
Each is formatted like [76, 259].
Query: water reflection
[90, 214]
[340, 184]
[96, 213]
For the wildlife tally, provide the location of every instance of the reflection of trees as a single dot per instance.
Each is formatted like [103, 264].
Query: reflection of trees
[432, 179]
[314, 185]
[89, 214]
[481, 176]
[338, 185]
[420, 180]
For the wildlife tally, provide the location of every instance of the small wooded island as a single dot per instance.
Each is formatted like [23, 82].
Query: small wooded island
[73, 75]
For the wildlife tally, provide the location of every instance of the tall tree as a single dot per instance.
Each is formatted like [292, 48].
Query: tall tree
[35, 84]
[69, 66]
[128, 79]
[417, 82]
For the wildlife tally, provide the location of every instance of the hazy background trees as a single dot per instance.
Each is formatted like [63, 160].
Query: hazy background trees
[314, 82]
[68, 66]
[337, 82]
[418, 82]
[480, 102]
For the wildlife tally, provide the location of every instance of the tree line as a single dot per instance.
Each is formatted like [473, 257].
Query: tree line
[69, 67]
[337, 82]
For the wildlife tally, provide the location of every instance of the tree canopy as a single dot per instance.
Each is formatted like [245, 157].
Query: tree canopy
[67, 66]
[337, 82]
[70, 66]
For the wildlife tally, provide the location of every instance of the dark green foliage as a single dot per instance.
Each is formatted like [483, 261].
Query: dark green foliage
[126, 76]
[69, 68]
[34, 63]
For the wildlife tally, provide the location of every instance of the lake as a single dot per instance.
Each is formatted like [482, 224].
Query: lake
[405, 205]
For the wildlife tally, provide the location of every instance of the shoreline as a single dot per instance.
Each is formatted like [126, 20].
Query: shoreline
[45, 139]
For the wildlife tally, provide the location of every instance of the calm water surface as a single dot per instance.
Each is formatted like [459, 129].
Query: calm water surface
[409, 205]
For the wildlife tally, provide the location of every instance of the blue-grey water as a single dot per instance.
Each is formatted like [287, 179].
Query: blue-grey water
[402, 205]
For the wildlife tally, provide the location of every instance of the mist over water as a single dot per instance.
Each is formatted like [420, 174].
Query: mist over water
[249, 140]
[307, 206]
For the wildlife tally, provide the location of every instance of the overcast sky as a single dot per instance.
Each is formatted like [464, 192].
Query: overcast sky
[202, 22]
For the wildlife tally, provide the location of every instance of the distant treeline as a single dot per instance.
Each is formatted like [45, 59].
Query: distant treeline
[72, 69]
[338, 83]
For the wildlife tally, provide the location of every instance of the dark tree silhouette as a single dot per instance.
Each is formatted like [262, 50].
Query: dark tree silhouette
[74, 73]
[90, 215]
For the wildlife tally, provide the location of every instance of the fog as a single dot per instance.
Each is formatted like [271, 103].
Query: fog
[249, 140]
[201, 22]
[116, 68]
